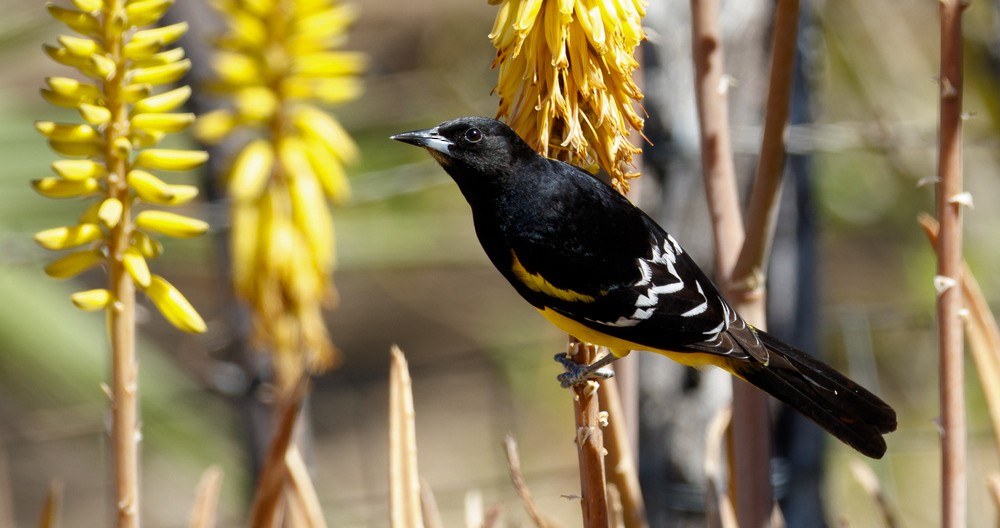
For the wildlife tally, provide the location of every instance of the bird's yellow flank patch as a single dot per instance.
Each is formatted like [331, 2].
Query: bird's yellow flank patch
[538, 283]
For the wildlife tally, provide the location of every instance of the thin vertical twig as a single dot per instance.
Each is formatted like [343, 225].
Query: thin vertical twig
[589, 441]
[620, 462]
[711, 92]
[752, 446]
[982, 333]
[742, 276]
[206, 503]
[949, 269]
[520, 486]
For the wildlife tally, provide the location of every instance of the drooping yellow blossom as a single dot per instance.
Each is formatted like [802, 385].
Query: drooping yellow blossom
[111, 152]
[565, 79]
[276, 62]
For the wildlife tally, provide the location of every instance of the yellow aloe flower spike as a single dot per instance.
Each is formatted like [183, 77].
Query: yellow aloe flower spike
[276, 62]
[123, 60]
[565, 79]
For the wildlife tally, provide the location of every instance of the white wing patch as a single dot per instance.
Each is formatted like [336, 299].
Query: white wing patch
[645, 305]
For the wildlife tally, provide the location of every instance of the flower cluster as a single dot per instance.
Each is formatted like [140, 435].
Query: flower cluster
[111, 155]
[565, 78]
[277, 59]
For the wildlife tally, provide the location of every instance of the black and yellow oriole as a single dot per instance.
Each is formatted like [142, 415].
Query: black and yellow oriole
[601, 270]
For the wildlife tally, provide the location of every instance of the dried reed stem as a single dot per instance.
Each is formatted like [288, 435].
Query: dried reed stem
[520, 486]
[206, 499]
[273, 477]
[744, 285]
[982, 333]
[404, 480]
[949, 270]
[589, 441]
[621, 461]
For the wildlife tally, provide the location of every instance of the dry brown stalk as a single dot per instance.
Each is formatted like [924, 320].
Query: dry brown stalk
[744, 284]
[982, 333]
[589, 441]
[300, 490]
[206, 498]
[268, 503]
[994, 486]
[621, 461]
[53, 502]
[520, 486]
[865, 477]
[719, 512]
[949, 270]
[429, 507]
[404, 480]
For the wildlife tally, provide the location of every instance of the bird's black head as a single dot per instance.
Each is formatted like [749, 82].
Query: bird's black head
[475, 151]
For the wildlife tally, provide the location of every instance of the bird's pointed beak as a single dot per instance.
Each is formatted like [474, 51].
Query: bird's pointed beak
[429, 139]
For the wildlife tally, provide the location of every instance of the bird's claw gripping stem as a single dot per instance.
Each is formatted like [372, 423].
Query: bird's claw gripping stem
[576, 373]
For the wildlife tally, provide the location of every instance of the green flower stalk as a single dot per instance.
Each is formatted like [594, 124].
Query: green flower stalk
[565, 79]
[276, 62]
[110, 159]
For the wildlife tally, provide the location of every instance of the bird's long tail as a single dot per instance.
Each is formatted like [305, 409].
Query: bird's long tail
[839, 405]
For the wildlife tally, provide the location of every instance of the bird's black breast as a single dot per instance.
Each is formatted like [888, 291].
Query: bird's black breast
[566, 226]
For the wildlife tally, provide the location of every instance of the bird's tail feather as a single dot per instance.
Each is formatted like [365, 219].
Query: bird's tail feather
[842, 407]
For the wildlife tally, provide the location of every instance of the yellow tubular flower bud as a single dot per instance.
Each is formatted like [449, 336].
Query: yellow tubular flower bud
[147, 245]
[135, 92]
[256, 103]
[236, 68]
[164, 102]
[146, 11]
[244, 243]
[169, 159]
[148, 187]
[170, 224]
[94, 114]
[83, 23]
[68, 131]
[69, 266]
[75, 148]
[68, 237]
[162, 122]
[110, 212]
[103, 67]
[164, 74]
[318, 124]
[330, 63]
[162, 35]
[312, 216]
[140, 49]
[79, 170]
[159, 59]
[174, 306]
[88, 6]
[136, 266]
[91, 300]
[251, 171]
[73, 89]
[53, 187]
[329, 171]
[215, 125]
[81, 47]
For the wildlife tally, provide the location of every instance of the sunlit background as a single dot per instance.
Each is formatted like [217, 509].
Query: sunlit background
[411, 273]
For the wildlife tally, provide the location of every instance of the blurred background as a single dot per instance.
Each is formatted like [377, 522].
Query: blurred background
[411, 273]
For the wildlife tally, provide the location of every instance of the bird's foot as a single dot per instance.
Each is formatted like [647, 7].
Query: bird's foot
[576, 373]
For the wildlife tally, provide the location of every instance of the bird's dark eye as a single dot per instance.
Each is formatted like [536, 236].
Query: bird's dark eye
[473, 135]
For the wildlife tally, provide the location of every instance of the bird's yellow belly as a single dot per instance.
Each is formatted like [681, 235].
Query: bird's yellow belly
[621, 347]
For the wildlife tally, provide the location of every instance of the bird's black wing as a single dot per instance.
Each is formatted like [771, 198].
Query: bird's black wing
[612, 269]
